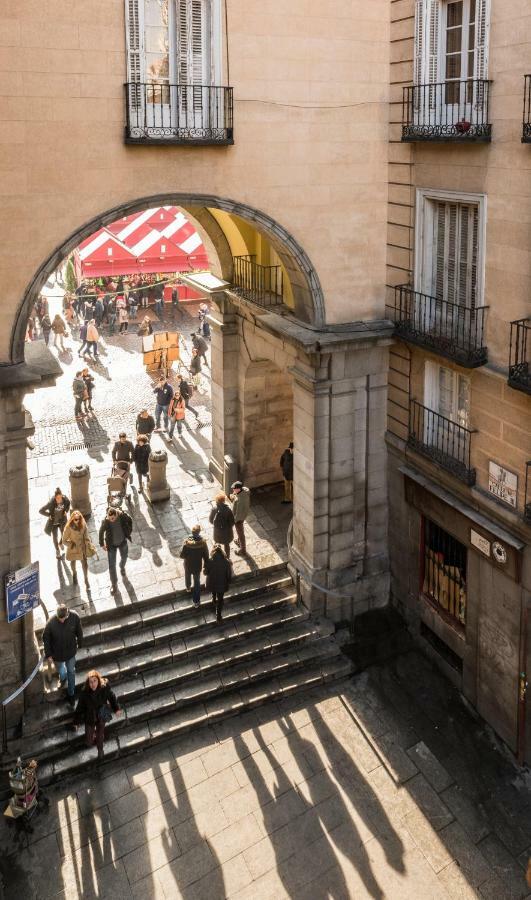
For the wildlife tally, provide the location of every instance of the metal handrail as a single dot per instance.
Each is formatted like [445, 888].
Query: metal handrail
[12, 697]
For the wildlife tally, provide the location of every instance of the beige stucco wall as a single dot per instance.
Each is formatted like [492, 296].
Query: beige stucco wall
[320, 173]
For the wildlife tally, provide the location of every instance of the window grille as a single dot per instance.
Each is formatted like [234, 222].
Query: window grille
[444, 571]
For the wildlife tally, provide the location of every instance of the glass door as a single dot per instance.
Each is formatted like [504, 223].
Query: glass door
[458, 63]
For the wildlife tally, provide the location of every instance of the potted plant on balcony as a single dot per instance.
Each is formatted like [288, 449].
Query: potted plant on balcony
[462, 126]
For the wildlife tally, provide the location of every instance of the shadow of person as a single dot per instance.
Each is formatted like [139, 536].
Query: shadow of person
[131, 593]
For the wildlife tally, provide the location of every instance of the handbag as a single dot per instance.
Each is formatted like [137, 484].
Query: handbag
[90, 549]
[104, 714]
[48, 528]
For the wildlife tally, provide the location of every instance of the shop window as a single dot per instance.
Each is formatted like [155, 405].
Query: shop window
[444, 571]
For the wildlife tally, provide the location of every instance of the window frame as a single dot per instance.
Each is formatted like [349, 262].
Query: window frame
[431, 388]
[425, 197]
[453, 620]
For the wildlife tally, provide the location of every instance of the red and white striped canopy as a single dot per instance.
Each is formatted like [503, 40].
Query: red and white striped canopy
[157, 240]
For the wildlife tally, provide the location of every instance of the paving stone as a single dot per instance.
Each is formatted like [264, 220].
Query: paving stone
[428, 841]
[470, 816]
[151, 855]
[235, 876]
[103, 792]
[430, 767]
[187, 869]
[472, 862]
[505, 867]
[235, 838]
[429, 802]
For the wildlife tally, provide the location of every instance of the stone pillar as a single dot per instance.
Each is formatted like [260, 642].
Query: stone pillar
[18, 652]
[340, 500]
[224, 375]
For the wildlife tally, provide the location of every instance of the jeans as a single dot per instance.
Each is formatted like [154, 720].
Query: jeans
[112, 322]
[57, 535]
[161, 410]
[196, 589]
[179, 423]
[77, 406]
[112, 552]
[68, 670]
[159, 308]
[93, 345]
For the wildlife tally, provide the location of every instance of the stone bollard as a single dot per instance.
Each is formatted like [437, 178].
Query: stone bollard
[157, 486]
[79, 490]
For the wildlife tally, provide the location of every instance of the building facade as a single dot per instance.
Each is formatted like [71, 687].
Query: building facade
[365, 277]
[459, 292]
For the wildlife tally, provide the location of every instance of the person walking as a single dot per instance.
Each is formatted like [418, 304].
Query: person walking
[141, 458]
[123, 318]
[95, 707]
[195, 369]
[175, 307]
[99, 309]
[194, 552]
[176, 413]
[79, 390]
[286, 464]
[123, 451]
[89, 387]
[56, 510]
[79, 547]
[46, 326]
[111, 315]
[201, 346]
[185, 391]
[241, 504]
[145, 424]
[93, 337]
[59, 332]
[218, 578]
[115, 532]
[222, 518]
[83, 347]
[62, 638]
[164, 395]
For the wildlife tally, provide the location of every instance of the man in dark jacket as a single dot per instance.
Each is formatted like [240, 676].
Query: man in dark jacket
[186, 392]
[164, 395]
[241, 504]
[219, 574]
[195, 554]
[62, 637]
[201, 346]
[221, 517]
[79, 389]
[286, 464]
[115, 532]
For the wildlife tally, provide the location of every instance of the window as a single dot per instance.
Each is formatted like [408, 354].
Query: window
[444, 561]
[451, 39]
[447, 393]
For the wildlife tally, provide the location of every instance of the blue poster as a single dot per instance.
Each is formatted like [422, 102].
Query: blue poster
[22, 591]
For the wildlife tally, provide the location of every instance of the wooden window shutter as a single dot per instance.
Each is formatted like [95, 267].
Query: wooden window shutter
[418, 59]
[193, 44]
[183, 42]
[134, 10]
[482, 32]
[439, 244]
[468, 256]
[432, 69]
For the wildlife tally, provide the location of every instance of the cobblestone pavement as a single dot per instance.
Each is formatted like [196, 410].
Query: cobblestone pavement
[381, 787]
[122, 389]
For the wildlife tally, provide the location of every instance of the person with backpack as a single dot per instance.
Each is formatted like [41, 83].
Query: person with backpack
[186, 391]
[218, 577]
[95, 708]
[201, 346]
[194, 552]
[222, 518]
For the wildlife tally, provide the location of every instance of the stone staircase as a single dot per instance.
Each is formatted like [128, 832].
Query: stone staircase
[173, 668]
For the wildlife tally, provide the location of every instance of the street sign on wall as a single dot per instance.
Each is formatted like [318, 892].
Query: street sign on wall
[22, 591]
[503, 484]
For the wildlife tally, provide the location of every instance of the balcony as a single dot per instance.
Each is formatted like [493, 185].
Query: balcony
[451, 330]
[160, 113]
[520, 356]
[259, 284]
[456, 111]
[441, 440]
[527, 500]
[526, 125]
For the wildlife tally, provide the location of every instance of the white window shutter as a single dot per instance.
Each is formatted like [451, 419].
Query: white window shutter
[482, 38]
[433, 41]
[183, 42]
[134, 19]
[418, 58]
[193, 20]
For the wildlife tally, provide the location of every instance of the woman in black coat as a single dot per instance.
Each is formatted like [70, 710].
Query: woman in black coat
[94, 708]
[56, 510]
[219, 573]
[141, 459]
[222, 518]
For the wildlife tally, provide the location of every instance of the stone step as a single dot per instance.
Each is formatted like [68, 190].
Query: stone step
[152, 648]
[140, 675]
[142, 731]
[106, 624]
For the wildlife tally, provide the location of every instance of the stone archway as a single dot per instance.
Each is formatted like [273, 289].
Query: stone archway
[307, 291]
[266, 421]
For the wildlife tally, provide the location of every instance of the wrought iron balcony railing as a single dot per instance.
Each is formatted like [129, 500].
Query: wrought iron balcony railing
[158, 113]
[526, 125]
[445, 442]
[451, 330]
[520, 355]
[260, 284]
[527, 499]
[447, 111]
